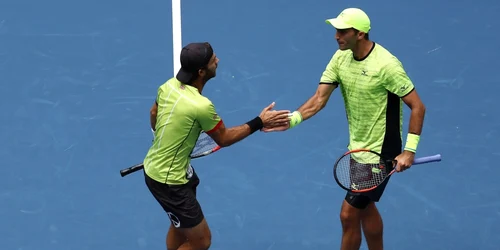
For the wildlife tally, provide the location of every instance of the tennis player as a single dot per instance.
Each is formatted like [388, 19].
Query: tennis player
[178, 116]
[374, 85]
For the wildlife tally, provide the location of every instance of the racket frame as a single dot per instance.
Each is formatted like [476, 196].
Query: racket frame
[140, 166]
[417, 161]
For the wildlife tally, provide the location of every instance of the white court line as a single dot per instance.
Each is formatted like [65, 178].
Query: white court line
[176, 34]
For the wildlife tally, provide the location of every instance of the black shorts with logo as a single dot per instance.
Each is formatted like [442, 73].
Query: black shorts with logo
[178, 201]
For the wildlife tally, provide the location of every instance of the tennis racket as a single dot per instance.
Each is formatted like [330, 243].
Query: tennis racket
[363, 170]
[204, 146]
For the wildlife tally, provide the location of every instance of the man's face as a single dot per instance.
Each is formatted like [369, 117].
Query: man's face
[347, 38]
[211, 68]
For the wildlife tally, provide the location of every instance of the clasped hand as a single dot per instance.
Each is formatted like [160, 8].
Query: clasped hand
[274, 119]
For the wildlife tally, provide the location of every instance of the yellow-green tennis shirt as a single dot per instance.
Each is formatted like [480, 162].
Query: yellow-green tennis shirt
[372, 89]
[182, 114]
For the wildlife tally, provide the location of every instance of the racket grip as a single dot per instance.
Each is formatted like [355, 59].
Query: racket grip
[427, 159]
[127, 171]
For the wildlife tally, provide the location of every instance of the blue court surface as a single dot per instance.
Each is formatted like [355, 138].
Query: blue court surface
[79, 77]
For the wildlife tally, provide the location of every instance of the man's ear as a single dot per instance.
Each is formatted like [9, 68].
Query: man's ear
[361, 35]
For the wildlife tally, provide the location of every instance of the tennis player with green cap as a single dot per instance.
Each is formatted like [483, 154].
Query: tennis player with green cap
[374, 85]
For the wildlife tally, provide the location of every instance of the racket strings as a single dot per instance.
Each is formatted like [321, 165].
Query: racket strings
[355, 175]
[204, 144]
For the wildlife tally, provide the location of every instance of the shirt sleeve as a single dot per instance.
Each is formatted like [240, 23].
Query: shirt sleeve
[395, 79]
[208, 118]
[330, 74]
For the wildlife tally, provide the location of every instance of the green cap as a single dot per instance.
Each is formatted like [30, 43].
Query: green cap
[351, 18]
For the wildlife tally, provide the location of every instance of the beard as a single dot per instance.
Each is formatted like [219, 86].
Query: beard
[210, 74]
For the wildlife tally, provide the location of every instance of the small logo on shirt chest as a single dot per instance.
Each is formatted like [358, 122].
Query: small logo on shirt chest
[364, 72]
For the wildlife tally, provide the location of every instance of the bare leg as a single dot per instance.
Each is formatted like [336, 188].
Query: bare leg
[372, 227]
[176, 241]
[185, 246]
[350, 217]
[195, 238]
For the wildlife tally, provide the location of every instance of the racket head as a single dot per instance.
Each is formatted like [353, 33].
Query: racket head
[362, 170]
[204, 146]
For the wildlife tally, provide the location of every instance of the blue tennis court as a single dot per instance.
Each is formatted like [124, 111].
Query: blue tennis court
[78, 79]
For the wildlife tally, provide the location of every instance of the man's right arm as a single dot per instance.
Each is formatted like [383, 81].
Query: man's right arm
[213, 125]
[328, 83]
[224, 137]
[318, 101]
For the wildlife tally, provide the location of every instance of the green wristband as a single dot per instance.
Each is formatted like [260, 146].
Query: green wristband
[295, 119]
[412, 142]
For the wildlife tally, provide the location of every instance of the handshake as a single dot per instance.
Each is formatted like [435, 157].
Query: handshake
[278, 120]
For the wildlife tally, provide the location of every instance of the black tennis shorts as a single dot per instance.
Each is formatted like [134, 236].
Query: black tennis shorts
[362, 200]
[178, 201]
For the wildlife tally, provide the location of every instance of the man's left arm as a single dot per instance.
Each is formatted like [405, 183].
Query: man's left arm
[153, 111]
[398, 82]
[417, 107]
[152, 115]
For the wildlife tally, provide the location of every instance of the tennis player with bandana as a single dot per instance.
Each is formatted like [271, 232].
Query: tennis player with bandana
[374, 86]
[178, 116]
